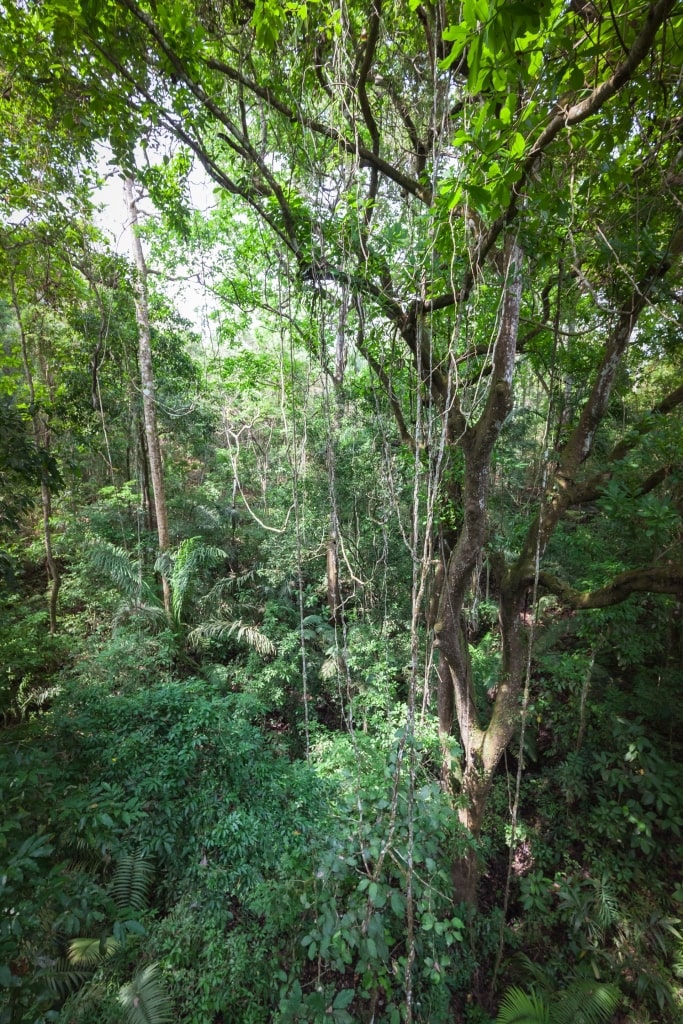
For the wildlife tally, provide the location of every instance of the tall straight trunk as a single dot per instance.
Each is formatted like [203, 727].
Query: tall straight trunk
[52, 567]
[147, 379]
[334, 596]
[143, 462]
[41, 434]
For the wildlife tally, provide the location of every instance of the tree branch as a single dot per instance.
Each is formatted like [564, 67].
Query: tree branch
[559, 494]
[591, 489]
[394, 404]
[499, 400]
[371, 123]
[352, 146]
[243, 146]
[655, 579]
[566, 117]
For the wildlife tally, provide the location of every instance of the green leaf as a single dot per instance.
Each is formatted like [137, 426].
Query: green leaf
[517, 146]
[398, 903]
[458, 36]
[481, 197]
[343, 999]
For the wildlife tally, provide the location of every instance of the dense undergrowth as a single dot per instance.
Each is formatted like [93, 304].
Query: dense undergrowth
[183, 839]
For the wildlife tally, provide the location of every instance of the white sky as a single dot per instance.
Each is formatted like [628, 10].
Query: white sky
[189, 298]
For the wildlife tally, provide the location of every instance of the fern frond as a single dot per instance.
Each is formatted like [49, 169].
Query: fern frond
[145, 1000]
[519, 1007]
[88, 952]
[131, 882]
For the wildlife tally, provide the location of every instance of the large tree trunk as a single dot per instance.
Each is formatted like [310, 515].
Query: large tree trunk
[147, 380]
[482, 746]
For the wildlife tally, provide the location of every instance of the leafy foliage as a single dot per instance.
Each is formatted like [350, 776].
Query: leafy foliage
[585, 1000]
[144, 999]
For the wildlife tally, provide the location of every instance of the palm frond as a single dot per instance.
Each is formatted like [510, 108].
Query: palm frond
[534, 973]
[519, 1007]
[34, 699]
[145, 1000]
[247, 578]
[678, 962]
[329, 669]
[218, 628]
[88, 952]
[153, 613]
[62, 979]
[131, 882]
[163, 563]
[218, 594]
[192, 556]
[586, 1001]
[606, 902]
[116, 563]
[256, 639]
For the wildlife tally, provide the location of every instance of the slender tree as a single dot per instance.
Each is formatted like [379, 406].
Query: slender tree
[154, 455]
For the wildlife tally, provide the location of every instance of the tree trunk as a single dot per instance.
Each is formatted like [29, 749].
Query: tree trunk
[52, 567]
[143, 462]
[334, 596]
[482, 746]
[41, 434]
[147, 380]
